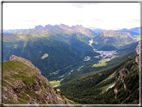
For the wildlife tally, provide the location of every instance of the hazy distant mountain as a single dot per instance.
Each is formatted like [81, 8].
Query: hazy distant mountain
[48, 26]
[63, 26]
[132, 31]
[72, 29]
[79, 29]
[112, 39]
[12, 30]
[38, 27]
[96, 30]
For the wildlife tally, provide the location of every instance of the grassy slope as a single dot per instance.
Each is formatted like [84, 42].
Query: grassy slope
[12, 72]
[101, 63]
[53, 83]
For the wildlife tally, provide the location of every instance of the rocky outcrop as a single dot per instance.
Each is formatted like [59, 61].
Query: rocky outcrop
[138, 48]
[78, 28]
[126, 79]
[137, 59]
[27, 85]
[22, 60]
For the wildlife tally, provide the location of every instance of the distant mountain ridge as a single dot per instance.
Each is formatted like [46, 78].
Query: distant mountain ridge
[113, 39]
[57, 47]
[112, 33]
[64, 33]
[77, 28]
[132, 31]
[12, 30]
[96, 30]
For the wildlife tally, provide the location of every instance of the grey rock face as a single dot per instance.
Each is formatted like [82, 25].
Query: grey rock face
[138, 48]
[36, 91]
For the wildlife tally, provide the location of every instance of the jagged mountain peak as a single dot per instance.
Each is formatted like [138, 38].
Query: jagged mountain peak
[63, 26]
[48, 26]
[49, 30]
[77, 26]
[83, 30]
[38, 27]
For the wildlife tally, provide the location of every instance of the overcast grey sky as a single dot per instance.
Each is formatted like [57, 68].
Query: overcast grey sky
[99, 15]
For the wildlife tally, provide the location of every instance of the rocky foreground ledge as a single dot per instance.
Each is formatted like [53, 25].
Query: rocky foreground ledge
[22, 60]
[24, 84]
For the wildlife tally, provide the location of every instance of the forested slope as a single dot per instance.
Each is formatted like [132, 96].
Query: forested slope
[92, 88]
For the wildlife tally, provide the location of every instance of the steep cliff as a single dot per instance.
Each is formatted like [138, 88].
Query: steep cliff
[24, 84]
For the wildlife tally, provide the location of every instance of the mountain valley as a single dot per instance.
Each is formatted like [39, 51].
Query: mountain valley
[80, 65]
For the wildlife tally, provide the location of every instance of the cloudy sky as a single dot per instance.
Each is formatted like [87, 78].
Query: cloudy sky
[98, 15]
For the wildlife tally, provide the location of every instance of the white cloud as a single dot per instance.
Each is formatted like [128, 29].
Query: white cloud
[100, 15]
